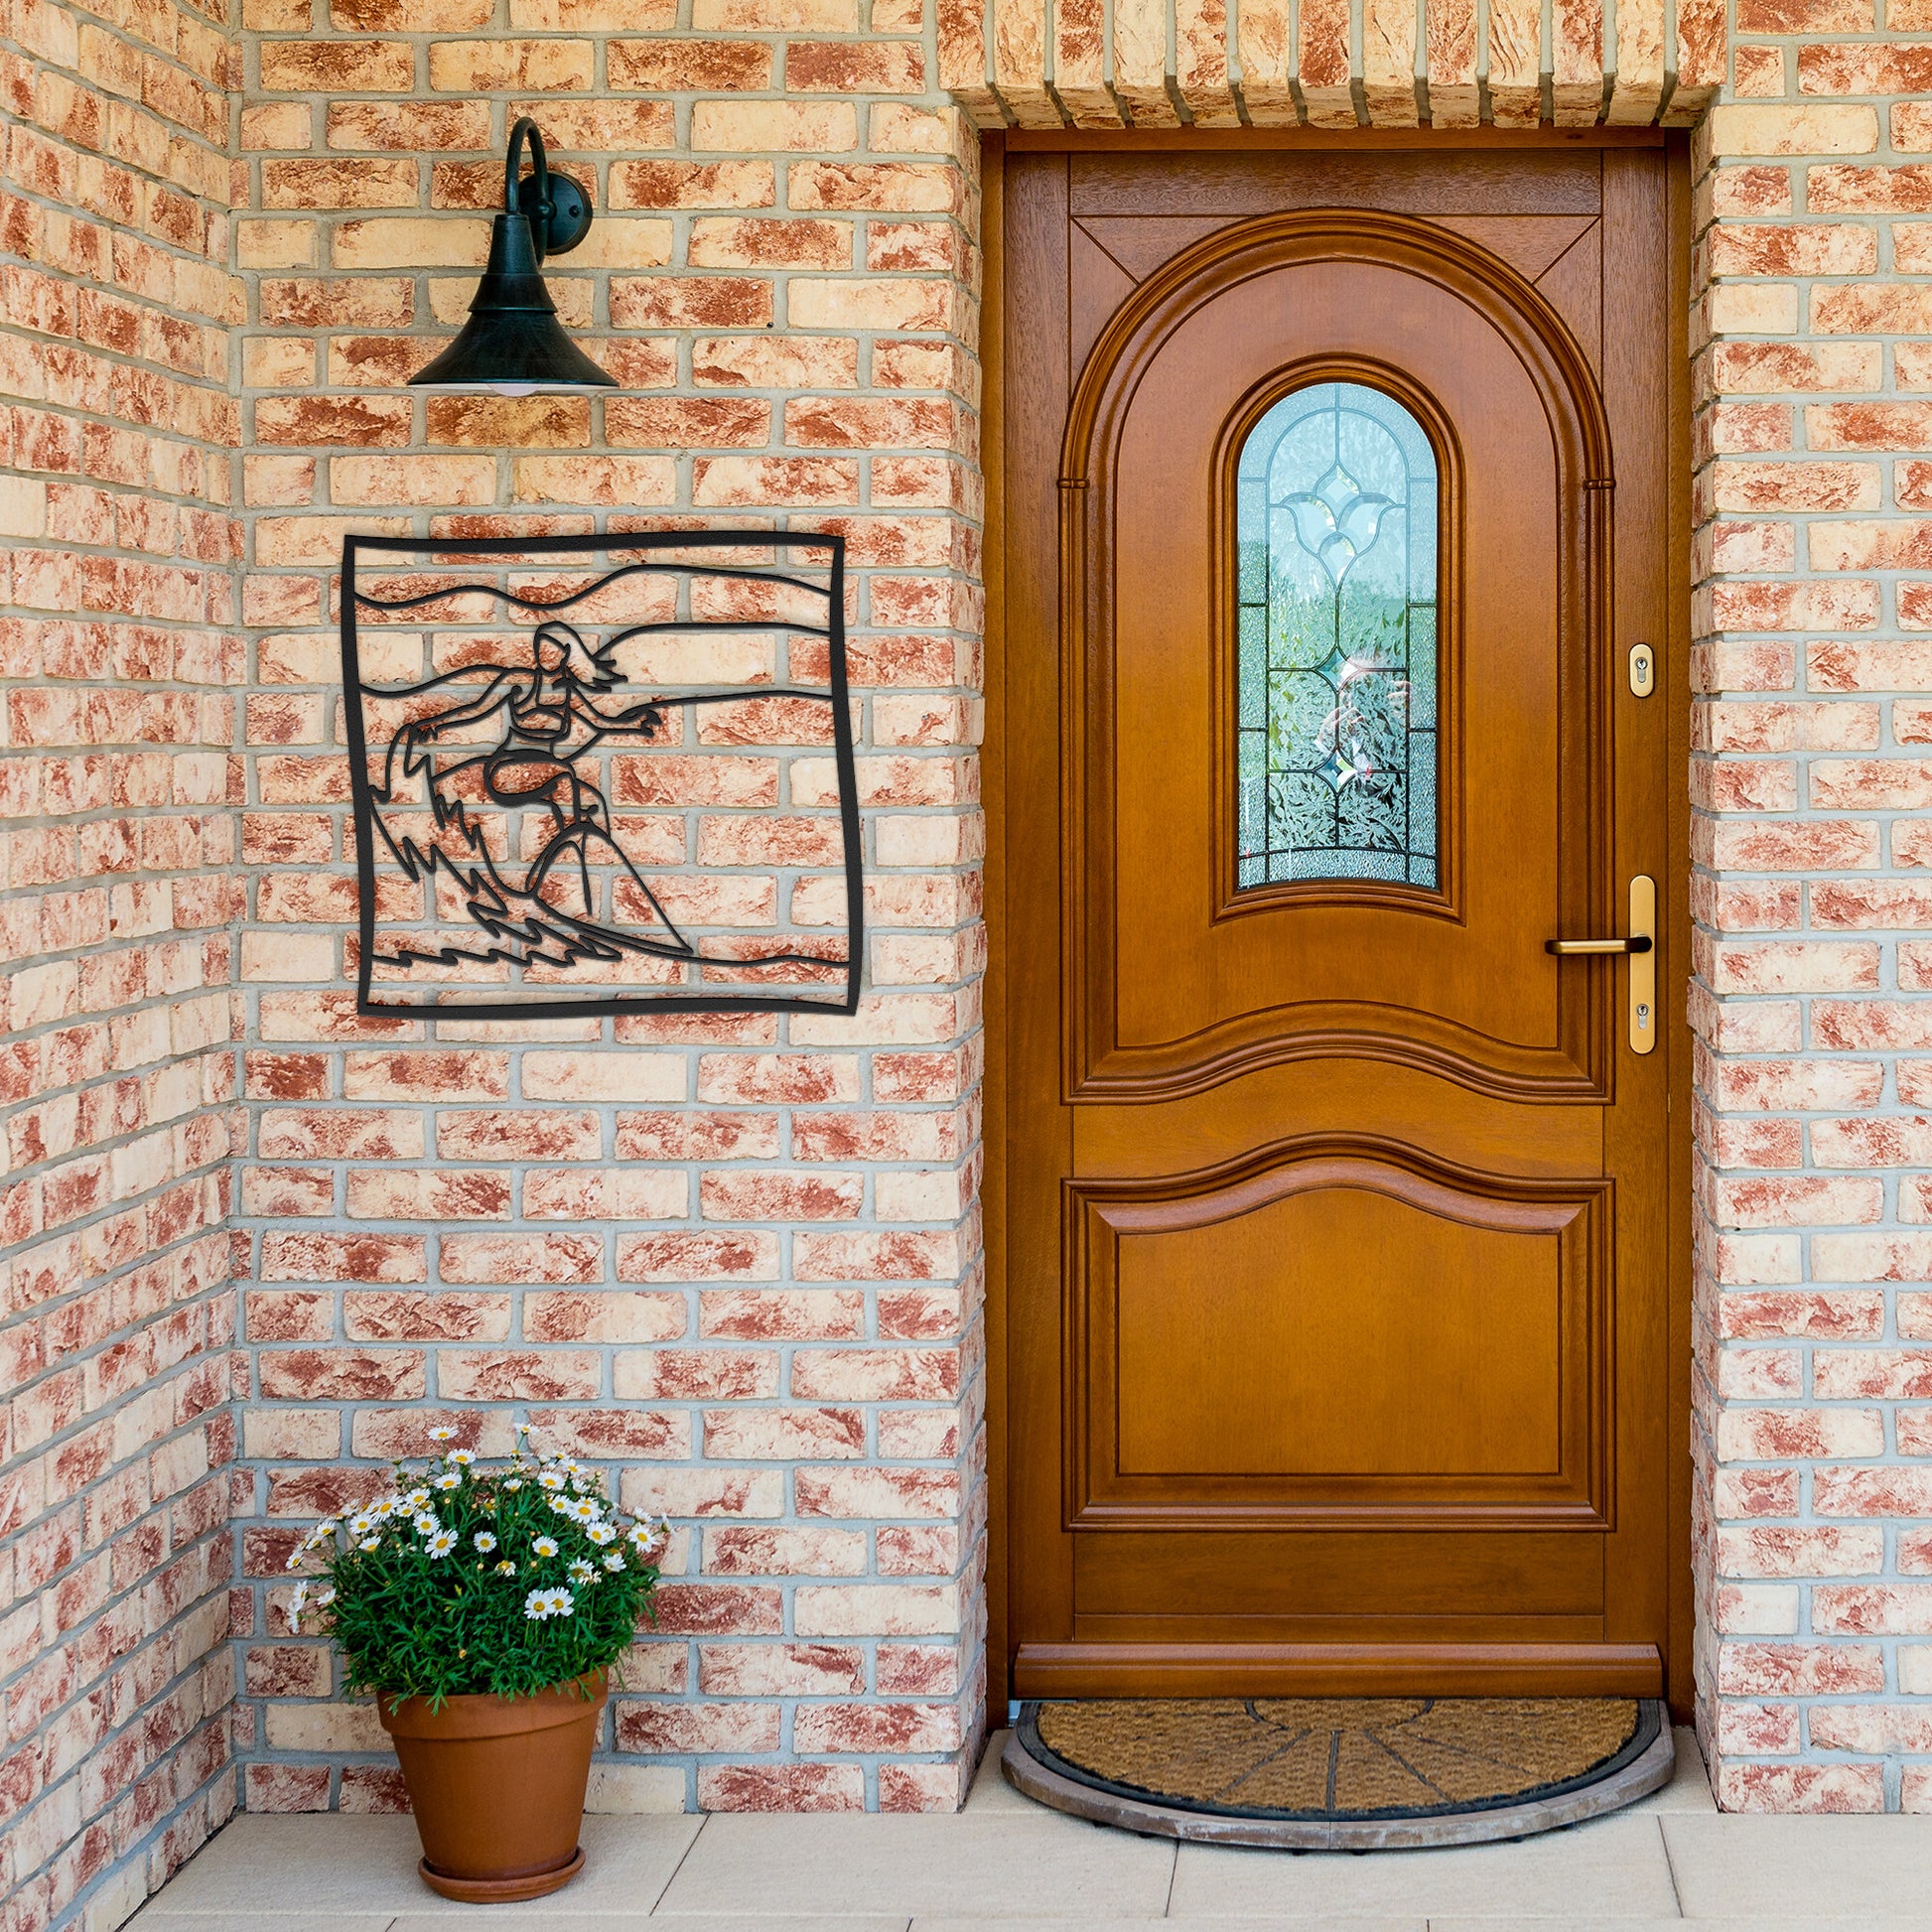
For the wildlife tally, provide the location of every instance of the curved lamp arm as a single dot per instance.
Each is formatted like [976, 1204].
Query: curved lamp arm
[525, 128]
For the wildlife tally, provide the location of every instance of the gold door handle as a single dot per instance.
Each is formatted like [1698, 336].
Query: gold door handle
[1641, 946]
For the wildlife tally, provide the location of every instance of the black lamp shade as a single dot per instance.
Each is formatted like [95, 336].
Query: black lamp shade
[513, 343]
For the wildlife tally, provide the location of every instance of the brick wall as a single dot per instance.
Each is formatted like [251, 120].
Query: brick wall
[737, 1259]
[121, 669]
[1810, 783]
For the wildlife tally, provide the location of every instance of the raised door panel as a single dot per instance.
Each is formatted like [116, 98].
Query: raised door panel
[1332, 1336]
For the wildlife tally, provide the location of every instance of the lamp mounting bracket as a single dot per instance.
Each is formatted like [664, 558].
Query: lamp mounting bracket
[557, 208]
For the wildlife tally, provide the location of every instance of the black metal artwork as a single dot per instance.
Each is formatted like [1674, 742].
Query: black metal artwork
[602, 773]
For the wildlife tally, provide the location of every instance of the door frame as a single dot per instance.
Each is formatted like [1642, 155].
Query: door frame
[994, 148]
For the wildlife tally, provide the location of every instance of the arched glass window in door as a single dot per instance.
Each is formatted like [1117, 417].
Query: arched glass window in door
[1336, 529]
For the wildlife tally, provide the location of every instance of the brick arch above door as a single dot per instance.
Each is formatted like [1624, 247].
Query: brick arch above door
[1331, 63]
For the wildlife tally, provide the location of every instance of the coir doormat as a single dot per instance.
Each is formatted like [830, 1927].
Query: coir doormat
[1341, 1772]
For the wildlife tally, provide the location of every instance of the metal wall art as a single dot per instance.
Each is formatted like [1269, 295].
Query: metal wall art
[602, 773]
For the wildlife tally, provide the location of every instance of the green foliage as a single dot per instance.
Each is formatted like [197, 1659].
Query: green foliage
[465, 1579]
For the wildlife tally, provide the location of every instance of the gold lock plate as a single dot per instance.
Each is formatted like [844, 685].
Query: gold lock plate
[1643, 965]
[1643, 670]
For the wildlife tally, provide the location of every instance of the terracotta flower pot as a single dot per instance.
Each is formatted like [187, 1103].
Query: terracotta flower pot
[498, 1787]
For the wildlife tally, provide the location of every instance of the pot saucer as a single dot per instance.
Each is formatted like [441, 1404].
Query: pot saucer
[501, 1891]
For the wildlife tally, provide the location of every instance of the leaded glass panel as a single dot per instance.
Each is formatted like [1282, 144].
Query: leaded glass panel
[1336, 691]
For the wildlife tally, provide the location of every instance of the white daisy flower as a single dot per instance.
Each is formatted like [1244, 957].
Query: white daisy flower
[582, 1573]
[562, 1603]
[295, 1559]
[544, 1546]
[515, 1482]
[360, 1523]
[442, 1543]
[506, 1568]
[537, 1606]
[585, 1510]
[550, 1480]
[442, 1434]
[461, 1457]
[416, 1498]
[613, 1561]
[426, 1523]
[449, 1479]
[296, 1604]
[370, 1542]
[600, 1533]
[485, 1542]
[387, 1507]
[324, 1597]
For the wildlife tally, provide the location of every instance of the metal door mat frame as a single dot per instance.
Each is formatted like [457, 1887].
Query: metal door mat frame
[1129, 1739]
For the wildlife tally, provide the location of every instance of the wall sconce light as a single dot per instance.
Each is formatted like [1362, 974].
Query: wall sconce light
[513, 343]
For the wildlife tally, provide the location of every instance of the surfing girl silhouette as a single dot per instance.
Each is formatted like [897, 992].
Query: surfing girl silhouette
[551, 724]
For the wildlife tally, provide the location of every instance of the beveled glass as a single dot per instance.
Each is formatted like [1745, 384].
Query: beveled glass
[1336, 512]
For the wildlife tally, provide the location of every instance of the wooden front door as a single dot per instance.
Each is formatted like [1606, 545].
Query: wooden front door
[1340, 1338]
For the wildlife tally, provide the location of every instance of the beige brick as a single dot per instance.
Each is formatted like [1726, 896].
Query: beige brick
[278, 361]
[276, 244]
[279, 482]
[1733, 308]
[692, 183]
[750, 242]
[775, 363]
[23, 506]
[776, 16]
[861, 304]
[1807, 129]
[410, 241]
[767, 126]
[337, 68]
[384, 480]
[409, 16]
[613, 480]
[1871, 309]
[408, 126]
[594, 16]
[601, 126]
[338, 183]
[689, 66]
[280, 124]
[490, 66]
[621, 241]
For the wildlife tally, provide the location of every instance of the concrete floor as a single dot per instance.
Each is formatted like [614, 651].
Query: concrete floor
[1668, 1860]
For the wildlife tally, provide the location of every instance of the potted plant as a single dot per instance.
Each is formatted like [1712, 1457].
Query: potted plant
[486, 1607]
